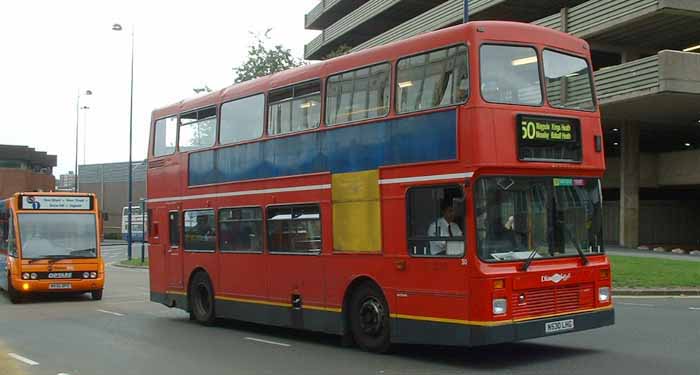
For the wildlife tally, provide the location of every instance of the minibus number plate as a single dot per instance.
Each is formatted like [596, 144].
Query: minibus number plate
[59, 286]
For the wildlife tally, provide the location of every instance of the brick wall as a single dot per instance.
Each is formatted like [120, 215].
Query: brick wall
[18, 180]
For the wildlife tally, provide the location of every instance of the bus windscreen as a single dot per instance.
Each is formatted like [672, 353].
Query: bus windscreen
[58, 235]
[537, 217]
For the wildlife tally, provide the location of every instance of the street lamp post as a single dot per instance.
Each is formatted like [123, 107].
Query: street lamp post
[85, 132]
[118, 27]
[77, 124]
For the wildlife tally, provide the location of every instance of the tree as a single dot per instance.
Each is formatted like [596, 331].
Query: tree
[205, 89]
[263, 60]
[342, 49]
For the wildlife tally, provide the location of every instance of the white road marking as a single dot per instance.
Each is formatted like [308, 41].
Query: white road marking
[267, 342]
[110, 312]
[125, 302]
[636, 304]
[23, 359]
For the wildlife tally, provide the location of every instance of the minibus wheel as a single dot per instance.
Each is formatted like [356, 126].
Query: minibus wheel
[369, 319]
[201, 295]
[15, 295]
[96, 295]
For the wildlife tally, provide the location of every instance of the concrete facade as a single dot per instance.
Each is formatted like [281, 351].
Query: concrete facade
[110, 183]
[24, 169]
[647, 86]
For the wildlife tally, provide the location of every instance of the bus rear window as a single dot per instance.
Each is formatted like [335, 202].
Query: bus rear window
[568, 81]
[510, 75]
[165, 136]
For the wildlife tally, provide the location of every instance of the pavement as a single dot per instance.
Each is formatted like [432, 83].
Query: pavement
[126, 334]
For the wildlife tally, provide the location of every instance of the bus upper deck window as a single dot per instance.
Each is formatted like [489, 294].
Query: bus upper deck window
[431, 80]
[197, 129]
[510, 75]
[568, 81]
[165, 135]
[294, 108]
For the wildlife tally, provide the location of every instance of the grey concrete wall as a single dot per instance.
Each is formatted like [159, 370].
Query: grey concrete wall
[680, 168]
[648, 172]
[660, 222]
[679, 71]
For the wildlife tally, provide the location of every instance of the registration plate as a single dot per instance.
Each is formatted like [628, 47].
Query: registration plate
[60, 286]
[561, 325]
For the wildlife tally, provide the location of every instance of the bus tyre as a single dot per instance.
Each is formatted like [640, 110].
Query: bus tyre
[369, 319]
[15, 296]
[202, 299]
[96, 295]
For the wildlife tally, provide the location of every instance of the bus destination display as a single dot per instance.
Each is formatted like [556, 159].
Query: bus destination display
[37, 202]
[548, 139]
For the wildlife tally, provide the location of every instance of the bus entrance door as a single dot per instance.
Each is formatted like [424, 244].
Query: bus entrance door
[173, 251]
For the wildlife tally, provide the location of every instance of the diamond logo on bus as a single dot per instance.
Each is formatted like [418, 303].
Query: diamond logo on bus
[556, 278]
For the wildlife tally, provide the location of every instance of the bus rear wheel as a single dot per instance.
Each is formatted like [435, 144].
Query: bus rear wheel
[201, 295]
[14, 294]
[369, 319]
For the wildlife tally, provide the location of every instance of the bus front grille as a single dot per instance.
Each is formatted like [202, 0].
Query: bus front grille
[552, 300]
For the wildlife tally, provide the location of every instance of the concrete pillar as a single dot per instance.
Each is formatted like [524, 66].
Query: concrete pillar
[629, 185]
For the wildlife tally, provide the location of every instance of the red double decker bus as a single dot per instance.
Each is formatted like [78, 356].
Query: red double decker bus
[444, 189]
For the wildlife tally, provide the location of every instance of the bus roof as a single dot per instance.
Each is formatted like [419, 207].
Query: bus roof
[478, 31]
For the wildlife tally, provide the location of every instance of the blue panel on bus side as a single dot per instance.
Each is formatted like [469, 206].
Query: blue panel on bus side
[429, 137]
[202, 168]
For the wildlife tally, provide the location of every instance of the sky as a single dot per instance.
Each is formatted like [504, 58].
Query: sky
[52, 50]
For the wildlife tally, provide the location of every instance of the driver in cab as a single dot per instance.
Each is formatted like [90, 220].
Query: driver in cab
[446, 227]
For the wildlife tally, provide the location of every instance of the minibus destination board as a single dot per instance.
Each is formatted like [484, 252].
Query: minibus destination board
[46, 202]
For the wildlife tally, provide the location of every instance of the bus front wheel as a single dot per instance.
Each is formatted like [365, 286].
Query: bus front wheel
[201, 295]
[96, 295]
[14, 294]
[369, 319]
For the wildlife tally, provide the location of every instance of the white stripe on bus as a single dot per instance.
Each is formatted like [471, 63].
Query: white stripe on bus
[310, 187]
[426, 178]
[245, 192]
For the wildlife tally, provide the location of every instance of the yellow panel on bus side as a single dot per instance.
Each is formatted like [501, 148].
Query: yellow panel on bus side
[355, 186]
[357, 227]
[357, 223]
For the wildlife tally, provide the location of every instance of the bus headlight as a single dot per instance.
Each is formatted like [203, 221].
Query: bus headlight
[499, 306]
[25, 276]
[604, 294]
[86, 275]
[33, 276]
[93, 275]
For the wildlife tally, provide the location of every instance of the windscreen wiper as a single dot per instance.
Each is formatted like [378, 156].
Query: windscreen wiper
[529, 260]
[56, 258]
[90, 249]
[578, 248]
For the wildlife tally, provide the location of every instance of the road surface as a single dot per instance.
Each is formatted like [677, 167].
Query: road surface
[126, 334]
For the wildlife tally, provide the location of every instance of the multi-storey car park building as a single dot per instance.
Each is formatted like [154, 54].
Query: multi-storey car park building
[647, 85]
